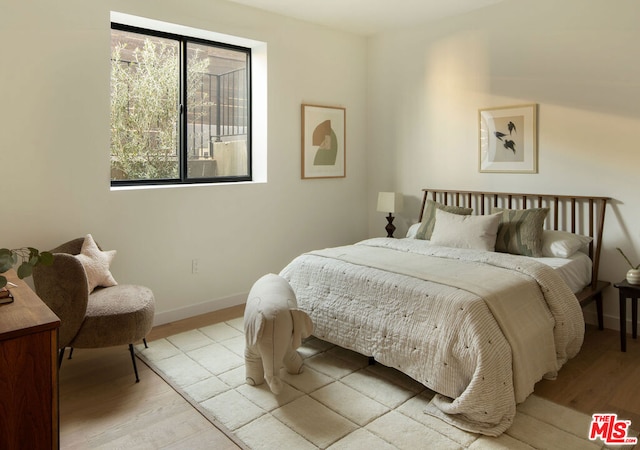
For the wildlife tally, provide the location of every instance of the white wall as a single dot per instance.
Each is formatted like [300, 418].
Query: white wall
[579, 60]
[412, 99]
[54, 153]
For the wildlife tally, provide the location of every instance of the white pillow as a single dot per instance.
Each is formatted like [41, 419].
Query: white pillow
[461, 231]
[413, 230]
[562, 244]
[96, 264]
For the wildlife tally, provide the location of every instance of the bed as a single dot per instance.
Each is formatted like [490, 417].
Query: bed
[477, 326]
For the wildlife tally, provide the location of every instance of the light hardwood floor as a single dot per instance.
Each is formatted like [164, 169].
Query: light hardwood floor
[600, 378]
[101, 406]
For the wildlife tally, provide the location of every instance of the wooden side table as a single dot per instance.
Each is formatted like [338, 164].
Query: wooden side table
[628, 291]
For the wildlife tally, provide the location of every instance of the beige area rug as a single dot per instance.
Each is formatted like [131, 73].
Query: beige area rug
[338, 402]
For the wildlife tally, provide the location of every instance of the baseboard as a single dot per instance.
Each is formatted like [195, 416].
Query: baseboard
[198, 309]
[610, 322]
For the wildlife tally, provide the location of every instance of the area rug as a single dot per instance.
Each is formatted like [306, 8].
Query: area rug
[338, 402]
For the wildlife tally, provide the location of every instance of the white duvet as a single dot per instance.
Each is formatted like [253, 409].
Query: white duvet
[479, 328]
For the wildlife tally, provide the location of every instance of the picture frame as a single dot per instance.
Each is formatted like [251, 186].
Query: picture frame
[324, 153]
[508, 139]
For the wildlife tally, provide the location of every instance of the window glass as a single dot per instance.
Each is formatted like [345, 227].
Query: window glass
[217, 118]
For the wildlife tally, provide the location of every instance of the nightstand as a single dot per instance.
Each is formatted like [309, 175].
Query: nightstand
[628, 291]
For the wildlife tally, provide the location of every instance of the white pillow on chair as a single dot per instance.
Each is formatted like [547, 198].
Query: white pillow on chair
[96, 264]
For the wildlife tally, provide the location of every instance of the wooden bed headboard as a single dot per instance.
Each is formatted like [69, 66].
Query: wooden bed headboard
[574, 213]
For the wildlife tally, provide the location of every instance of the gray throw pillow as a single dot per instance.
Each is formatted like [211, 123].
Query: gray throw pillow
[520, 231]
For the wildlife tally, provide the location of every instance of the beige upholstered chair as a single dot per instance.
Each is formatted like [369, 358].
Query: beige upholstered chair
[108, 316]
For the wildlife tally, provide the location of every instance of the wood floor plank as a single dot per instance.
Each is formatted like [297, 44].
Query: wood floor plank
[600, 379]
[101, 406]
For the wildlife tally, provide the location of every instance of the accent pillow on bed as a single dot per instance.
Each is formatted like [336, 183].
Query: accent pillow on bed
[465, 231]
[520, 231]
[562, 244]
[413, 230]
[429, 217]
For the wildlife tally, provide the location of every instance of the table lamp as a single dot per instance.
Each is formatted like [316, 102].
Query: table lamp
[390, 202]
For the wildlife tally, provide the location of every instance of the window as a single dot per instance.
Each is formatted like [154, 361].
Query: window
[180, 109]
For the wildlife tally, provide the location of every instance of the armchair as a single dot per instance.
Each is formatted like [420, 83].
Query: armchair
[104, 317]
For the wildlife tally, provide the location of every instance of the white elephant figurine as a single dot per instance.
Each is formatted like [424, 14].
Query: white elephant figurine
[274, 328]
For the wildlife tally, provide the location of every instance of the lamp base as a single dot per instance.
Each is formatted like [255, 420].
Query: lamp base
[390, 227]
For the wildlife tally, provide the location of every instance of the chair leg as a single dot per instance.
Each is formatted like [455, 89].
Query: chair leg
[145, 342]
[60, 356]
[70, 353]
[133, 359]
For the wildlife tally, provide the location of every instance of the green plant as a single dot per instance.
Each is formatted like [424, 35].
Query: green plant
[28, 257]
[627, 259]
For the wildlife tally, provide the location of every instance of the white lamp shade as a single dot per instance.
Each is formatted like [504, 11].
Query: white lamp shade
[389, 202]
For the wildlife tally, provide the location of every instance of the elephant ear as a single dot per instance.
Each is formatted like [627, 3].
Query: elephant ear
[253, 329]
[302, 327]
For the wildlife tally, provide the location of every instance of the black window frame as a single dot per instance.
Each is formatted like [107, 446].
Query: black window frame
[183, 107]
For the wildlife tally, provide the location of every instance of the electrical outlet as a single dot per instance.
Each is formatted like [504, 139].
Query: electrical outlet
[194, 266]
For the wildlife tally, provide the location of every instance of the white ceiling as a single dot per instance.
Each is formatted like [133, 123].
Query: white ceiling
[368, 17]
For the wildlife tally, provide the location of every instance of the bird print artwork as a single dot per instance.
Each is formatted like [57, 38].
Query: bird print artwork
[510, 145]
[507, 138]
[507, 143]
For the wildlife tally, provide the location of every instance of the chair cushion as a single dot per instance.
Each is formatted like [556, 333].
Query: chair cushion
[116, 315]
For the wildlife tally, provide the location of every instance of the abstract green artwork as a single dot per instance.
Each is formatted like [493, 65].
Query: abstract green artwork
[323, 141]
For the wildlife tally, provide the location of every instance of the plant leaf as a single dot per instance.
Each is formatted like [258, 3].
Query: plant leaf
[46, 258]
[3, 281]
[24, 270]
[6, 262]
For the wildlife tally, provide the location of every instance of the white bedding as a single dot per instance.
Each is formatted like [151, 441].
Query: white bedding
[574, 270]
[481, 349]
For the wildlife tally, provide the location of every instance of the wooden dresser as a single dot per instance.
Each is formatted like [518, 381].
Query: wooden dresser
[28, 371]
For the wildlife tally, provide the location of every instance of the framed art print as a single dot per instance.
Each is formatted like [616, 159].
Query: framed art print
[323, 141]
[508, 139]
